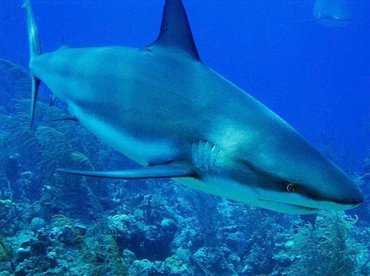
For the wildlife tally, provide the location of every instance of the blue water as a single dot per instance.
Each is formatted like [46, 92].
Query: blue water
[315, 77]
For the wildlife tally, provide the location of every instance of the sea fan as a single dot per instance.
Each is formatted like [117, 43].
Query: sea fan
[326, 248]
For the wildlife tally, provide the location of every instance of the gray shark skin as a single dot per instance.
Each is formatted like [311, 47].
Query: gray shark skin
[165, 109]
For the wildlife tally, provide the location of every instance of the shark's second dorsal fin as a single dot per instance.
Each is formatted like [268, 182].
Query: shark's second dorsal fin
[175, 29]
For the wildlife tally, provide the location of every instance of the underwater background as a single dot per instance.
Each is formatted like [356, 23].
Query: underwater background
[314, 74]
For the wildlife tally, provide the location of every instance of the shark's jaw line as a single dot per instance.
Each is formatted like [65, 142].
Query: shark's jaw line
[165, 109]
[293, 206]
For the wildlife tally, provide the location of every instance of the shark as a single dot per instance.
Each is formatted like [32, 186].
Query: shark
[162, 107]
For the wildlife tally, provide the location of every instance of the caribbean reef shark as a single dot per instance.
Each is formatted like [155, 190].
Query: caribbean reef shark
[165, 109]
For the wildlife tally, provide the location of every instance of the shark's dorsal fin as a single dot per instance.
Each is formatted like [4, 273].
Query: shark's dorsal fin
[175, 29]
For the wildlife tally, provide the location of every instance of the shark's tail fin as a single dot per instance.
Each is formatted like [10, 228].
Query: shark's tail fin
[35, 50]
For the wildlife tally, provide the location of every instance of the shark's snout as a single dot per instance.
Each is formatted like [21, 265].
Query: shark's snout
[356, 200]
[318, 185]
[343, 193]
[353, 197]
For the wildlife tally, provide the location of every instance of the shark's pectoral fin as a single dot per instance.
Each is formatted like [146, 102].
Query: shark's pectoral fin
[163, 171]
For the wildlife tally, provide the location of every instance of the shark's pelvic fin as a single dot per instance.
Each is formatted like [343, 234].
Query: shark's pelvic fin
[175, 29]
[163, 171]
[35, 50]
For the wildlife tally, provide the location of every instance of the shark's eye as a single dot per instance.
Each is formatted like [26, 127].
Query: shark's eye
[291, 188]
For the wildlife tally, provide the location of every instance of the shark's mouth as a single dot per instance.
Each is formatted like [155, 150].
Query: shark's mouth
[294, 208]
[302, 207]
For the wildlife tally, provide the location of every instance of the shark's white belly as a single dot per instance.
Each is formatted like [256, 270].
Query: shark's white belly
[223, 187]
[142, 150]
[232, 190]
